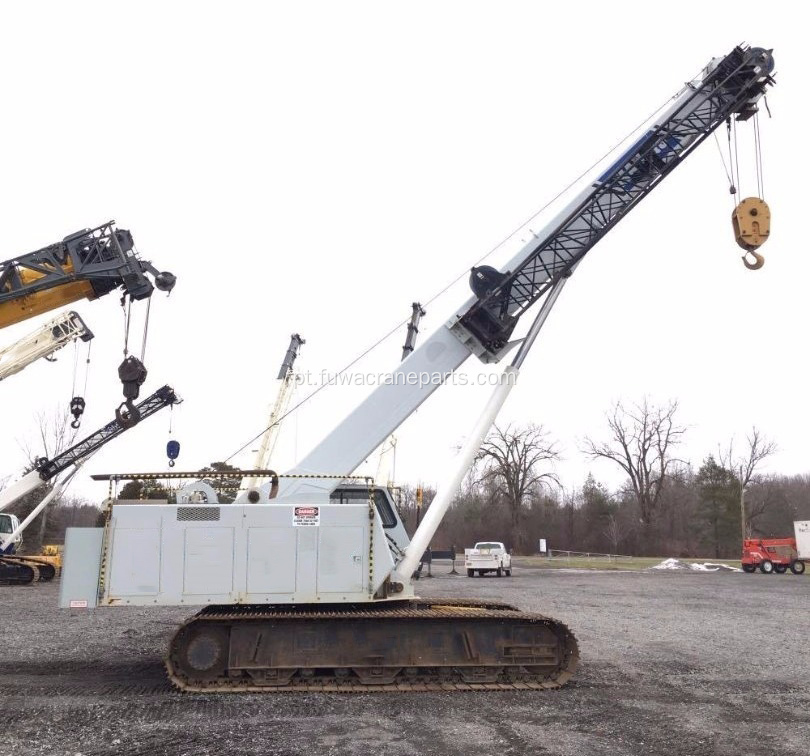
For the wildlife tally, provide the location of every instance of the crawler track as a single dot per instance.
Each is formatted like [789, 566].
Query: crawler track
[23, 570]
[440, 644]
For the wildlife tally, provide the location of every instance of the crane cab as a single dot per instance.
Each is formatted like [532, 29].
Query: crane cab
[8, 524]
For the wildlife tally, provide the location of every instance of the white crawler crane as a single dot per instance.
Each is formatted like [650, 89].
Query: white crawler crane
[310, 587]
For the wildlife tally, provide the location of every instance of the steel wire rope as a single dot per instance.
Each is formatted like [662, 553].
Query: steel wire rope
[127, 316]
[466, 270]
[736, 156]
[758, 157]
[146, 328]
[75, 367]
[732, 190]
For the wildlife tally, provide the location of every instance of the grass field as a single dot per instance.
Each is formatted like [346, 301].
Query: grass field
[605, 563]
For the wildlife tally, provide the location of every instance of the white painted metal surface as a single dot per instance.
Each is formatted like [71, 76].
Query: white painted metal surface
[43, 342]
[254, 554]
[802, 530]
[29, 482]
[383, 411]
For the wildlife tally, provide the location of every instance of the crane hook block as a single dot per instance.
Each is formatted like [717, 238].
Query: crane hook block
[172, 451]
[77, 405]
[752, 224]
[132, 374]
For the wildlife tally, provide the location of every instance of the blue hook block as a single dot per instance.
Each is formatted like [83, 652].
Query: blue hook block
[173, 449]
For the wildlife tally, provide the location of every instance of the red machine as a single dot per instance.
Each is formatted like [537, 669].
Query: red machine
[771, 555]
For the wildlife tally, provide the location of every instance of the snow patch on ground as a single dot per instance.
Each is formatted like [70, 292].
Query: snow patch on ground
[677, 564]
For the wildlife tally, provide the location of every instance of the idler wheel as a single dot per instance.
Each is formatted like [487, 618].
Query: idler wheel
[205, 654]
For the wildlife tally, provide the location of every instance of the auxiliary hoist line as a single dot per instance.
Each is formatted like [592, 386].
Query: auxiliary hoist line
[313, 589]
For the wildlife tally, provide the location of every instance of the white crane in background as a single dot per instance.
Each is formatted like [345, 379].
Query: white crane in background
[286, 377]
[47, 339]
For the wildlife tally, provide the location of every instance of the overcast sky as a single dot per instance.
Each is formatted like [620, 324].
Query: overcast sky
[316, 167]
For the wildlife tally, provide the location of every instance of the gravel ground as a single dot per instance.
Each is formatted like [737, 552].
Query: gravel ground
[672, 663]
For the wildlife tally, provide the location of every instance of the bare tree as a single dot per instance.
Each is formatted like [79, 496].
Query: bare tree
[641, 441]
[744, 467]
[514, 462]
[55, 435]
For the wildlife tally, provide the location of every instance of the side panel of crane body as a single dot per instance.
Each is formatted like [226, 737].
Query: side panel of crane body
[802, 530]
[78, 586]
[253, 554]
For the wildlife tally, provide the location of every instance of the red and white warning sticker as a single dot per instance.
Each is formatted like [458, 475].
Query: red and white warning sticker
[305, 516]
[78, 603]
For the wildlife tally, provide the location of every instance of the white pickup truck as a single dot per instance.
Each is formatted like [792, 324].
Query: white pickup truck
[488, 556]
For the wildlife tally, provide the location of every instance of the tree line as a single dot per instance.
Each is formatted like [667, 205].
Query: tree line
[666, 506]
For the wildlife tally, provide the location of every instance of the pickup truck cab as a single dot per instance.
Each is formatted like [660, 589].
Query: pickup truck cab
[488, 556]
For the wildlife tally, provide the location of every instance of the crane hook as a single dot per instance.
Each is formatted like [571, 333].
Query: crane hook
[127, 414]
[759, 260]
[77, 405]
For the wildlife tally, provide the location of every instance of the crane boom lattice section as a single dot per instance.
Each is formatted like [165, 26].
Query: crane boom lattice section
[731, 88]
[48, 468]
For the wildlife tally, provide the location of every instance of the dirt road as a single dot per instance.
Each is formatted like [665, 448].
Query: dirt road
[672, 663]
